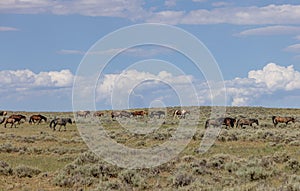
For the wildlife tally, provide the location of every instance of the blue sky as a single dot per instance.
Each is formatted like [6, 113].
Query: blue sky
[256, 45]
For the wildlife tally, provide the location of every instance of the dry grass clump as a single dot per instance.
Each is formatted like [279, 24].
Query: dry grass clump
[26, 171]
[5, 169]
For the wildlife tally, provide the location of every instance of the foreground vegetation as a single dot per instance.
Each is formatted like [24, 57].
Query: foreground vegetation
[33, 157]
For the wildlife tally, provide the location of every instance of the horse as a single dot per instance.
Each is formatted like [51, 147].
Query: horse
[12, 121]
[3, 113]
[228, 121]
[61, 122]
[37, 118]
[278, 119]
[83, 113]
[180, 114]
[115, 114]
[98, 114]
[214, 122]
[17, 117]
[157, 113]
[139, 113]
[244, 121]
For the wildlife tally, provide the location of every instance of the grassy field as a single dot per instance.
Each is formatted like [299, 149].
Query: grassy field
[263, 157]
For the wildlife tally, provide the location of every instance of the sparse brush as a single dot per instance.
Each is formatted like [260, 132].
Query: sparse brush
[5, 169]
[26, 171]
[182, 179]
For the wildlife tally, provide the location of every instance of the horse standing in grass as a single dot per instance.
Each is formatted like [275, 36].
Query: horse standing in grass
[141, 113]
[83, 113]
[98, 114]
[278, 119]
[3, 113]
[227, 121]
[37, 118]
[61, 122]
[244, 121]
[12, 121]
[180, 114]
[17, 117]
[157, 113]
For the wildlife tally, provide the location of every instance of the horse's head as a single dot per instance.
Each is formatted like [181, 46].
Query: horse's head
[293, 119]
[70, 120]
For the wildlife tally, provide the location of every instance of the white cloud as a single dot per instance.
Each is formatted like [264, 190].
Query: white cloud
[170, 3]
[136, 51]
[293, 48]
[270, 14]
[120, 86]
[135, 10]
[4, 29]
[220, 4]
[272, 30]
[26, 79]
[277, 77]
[115, 8]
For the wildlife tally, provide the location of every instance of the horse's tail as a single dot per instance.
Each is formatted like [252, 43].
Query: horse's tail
[4, 118]
[206, 124]
[273, 119]
[30, 120]
[52, 122]
[175, 114]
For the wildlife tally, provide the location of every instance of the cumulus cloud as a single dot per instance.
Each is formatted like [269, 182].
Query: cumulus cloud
[119, 87]
[13, 79]
[277, 77]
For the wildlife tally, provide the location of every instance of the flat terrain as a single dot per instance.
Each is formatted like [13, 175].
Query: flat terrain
[262, 157]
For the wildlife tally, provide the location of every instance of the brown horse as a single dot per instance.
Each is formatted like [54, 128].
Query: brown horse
[141, 113]
[12, 121]
[17, 117]
[180, 114]
[278, 119]
[37, 118]
[98, 114]
[244, 121]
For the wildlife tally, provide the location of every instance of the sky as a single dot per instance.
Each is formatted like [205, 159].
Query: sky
[43, 43]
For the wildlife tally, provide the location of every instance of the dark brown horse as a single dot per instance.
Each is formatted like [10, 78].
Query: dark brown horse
[37, 118]
[17, 117]
[278, 119]
[244, 121]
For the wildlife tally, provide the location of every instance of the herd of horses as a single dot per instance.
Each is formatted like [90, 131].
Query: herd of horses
[15, 119]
